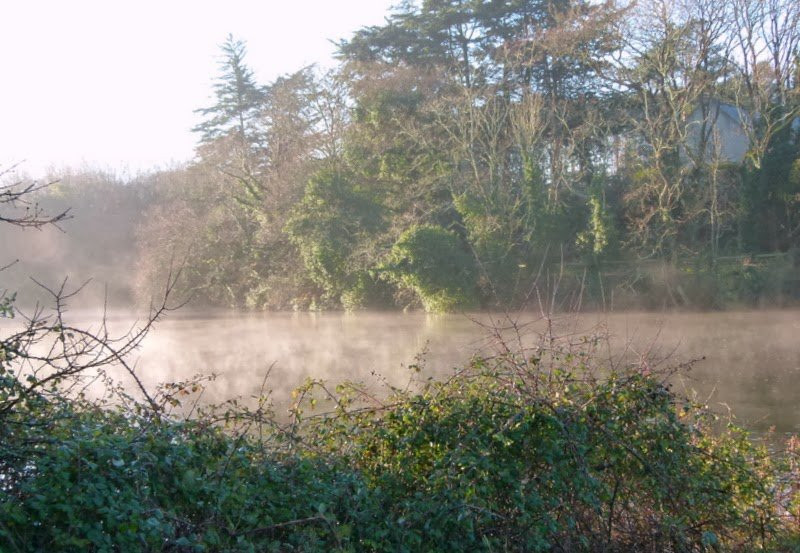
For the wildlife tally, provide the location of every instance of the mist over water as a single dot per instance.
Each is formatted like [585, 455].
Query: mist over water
[751, 365]
[751, 359]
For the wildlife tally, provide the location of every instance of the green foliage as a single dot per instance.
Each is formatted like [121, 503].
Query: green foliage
[745, 281]
[770, 200]
[238, 99]
[501, 246]
[515, 454]
[433, 263]
[479, 463]
[599, 237]
[104, 481]
[367, 290]
[329, 227]
[7, 305]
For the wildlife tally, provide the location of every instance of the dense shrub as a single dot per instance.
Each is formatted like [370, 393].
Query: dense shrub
[514, 453]
[326, 227]
[434, 263]
[492, 460]
[80, 479]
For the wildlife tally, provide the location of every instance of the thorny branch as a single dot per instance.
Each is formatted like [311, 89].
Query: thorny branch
[18, 205]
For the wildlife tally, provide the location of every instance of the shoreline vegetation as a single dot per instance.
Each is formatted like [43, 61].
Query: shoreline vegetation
[635, 154]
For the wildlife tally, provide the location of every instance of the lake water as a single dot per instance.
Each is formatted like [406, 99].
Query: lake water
[751, 358]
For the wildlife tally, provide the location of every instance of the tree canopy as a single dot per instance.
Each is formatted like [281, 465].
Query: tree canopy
[567, 143]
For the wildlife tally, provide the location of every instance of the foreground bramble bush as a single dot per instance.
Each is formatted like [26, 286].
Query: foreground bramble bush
[505, 456]
[500, 459]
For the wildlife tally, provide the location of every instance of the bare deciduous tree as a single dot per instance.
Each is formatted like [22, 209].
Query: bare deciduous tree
[766, 43]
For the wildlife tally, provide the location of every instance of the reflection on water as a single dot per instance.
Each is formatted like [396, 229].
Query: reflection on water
[752, 359]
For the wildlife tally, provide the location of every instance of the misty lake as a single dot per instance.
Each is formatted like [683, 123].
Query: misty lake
[751, 358]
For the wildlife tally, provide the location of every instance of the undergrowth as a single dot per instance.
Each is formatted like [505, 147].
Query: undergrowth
[547, 447]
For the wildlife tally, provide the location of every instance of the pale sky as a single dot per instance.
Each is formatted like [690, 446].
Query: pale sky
[113, 83]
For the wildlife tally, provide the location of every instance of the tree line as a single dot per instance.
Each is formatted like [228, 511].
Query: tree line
[466, 149]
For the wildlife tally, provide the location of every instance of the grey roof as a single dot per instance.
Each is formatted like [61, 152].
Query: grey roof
[737, 115]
